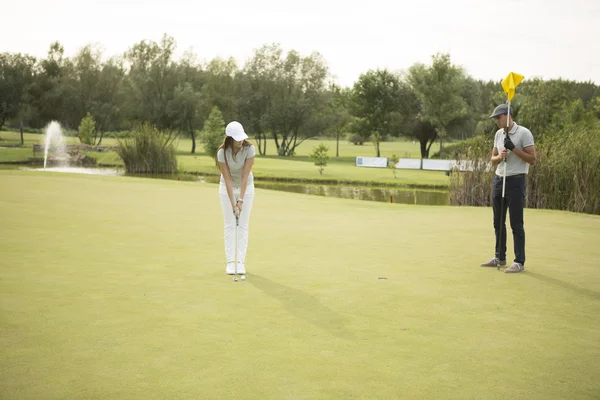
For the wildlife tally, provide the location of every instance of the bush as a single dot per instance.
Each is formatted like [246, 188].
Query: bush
[86, 129]
[148, 150]
[319, 156]
[475, 144]
[356, 139]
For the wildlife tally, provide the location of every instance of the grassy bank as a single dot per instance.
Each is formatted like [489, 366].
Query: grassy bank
[271, 167]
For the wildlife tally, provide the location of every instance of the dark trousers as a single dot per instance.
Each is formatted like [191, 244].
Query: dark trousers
[514, 201]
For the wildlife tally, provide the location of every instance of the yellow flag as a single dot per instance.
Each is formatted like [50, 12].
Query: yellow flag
[509, 84]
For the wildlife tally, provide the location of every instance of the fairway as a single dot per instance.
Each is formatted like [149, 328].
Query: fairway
[114, 288]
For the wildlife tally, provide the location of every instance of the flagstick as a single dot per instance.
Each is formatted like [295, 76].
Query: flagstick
[502, 218]
[506, 133]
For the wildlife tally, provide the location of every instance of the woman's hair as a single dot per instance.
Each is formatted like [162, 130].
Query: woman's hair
[228, 144]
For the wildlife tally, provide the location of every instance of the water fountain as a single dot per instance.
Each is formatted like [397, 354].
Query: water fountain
[54, 141]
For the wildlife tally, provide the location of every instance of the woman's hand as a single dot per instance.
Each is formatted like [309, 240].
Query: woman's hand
[239, 205]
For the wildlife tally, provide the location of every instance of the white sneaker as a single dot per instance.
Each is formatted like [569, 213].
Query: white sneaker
[241, 268]
[230, 268]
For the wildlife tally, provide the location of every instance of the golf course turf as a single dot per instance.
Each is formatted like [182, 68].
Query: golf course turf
[115, 288]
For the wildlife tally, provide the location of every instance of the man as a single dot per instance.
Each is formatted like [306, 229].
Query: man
[515, 145]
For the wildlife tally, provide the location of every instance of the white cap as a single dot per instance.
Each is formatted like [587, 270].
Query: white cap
[235, 130]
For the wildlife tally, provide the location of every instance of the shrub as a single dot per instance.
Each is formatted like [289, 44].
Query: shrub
[86, 129]
[319, 156]
[148, 150]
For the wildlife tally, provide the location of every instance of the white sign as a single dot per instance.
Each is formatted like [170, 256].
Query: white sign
[409, 163]
[438, 165]
[376, 162]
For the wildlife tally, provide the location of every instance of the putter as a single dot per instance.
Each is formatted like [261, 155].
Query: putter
[237, 224]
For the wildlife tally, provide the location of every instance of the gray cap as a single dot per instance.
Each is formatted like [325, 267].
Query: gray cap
[502, 109]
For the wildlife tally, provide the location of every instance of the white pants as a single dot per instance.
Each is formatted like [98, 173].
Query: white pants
[229, 219]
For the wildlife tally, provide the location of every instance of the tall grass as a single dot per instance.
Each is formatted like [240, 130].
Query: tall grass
[472, 188]
[566, 175]
[148, 151]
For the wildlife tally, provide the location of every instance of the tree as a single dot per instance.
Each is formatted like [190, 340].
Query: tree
[425, 133]
[108, 103]
[376, 100]
[298, 98]
[392, 163]
[151, 82]
[338, 113]
[86, 129]
[438, 88]
[319, 156]
[16, 75]
[256, 85]
[212, 134]
[376, 139]
[52, 95]
[219, 89]
[186, 111]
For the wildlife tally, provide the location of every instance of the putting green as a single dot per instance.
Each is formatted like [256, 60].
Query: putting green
[114, 287]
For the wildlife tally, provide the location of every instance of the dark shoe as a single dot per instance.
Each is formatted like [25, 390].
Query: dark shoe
[494, 262]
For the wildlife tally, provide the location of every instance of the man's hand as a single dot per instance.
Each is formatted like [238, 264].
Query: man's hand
[504, 154]
[509, 144]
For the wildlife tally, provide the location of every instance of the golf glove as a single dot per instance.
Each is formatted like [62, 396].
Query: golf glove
[508, 144]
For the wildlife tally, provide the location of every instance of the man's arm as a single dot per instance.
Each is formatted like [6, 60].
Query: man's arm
[527, 154]
[497, 157]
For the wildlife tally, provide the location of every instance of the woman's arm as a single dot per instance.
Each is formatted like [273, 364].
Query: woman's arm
[245, 173]
[228, 182]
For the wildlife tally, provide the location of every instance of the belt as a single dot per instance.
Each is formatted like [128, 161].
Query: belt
[512, 176]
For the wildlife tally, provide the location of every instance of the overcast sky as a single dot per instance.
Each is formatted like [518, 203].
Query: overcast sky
[536, 38]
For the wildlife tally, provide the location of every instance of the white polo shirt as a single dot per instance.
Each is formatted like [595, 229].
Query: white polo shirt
[522, 138]
[236, 164]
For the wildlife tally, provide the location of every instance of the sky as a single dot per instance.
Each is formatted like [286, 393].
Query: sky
[536, 38]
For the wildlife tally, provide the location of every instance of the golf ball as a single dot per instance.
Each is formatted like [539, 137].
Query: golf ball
[243, 277]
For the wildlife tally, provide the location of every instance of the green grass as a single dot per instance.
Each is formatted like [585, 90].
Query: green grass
[114, 287]
[299, 167]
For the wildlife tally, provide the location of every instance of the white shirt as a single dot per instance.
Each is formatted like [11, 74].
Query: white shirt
[236, 164]
[522, 138]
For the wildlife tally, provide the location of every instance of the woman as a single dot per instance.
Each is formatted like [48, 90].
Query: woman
[236, 189]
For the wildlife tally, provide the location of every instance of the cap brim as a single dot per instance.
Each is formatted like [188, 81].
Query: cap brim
[239, 137]
[498, 114]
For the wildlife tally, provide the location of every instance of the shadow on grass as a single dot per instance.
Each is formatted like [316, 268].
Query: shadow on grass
[304, 306]
[565, 285]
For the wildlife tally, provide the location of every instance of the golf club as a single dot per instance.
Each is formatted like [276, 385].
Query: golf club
[237, 224]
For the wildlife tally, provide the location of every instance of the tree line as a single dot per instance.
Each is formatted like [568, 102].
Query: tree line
[285, 97]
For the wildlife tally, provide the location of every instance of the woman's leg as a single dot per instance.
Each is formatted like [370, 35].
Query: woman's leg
[242, 243]
[229, 227]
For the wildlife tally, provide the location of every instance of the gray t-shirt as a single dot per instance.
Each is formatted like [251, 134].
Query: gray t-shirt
[237, 165]
[522, 138]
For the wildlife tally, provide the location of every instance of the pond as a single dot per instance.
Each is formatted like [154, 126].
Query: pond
[370, 193]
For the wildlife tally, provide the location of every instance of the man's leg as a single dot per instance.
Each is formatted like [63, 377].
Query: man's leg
[517, 203]
[499, 218]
